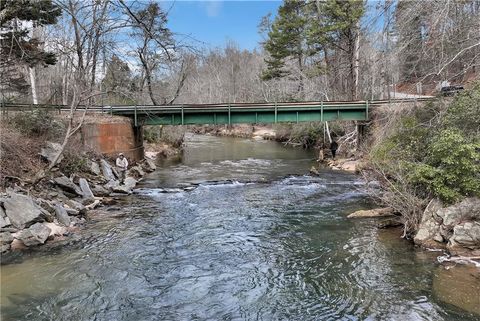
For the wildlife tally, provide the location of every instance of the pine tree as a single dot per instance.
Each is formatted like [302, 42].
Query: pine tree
[17, 45]
[286, 40]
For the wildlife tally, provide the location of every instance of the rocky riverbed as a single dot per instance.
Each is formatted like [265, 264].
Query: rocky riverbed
[53, 209]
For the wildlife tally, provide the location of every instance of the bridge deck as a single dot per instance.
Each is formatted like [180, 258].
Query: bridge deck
[237, 113]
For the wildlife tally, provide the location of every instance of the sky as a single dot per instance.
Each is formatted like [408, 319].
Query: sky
[214, 23]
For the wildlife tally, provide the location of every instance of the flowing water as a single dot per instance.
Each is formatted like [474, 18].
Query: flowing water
[251, 238]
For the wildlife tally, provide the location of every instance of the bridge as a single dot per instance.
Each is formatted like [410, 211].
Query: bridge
[111, 138]
[235, 113]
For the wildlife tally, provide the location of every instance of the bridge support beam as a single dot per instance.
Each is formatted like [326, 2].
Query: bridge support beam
[361, 132]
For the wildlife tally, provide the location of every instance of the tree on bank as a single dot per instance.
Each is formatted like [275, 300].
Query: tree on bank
[19, 46]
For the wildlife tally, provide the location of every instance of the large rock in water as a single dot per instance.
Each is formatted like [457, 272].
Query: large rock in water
[466, 235]
[67, 185]
[50, 151]
[459, 225]
[128, 186]
[377, 212]
[35, 235]
[22, 211]
[86, 191]
[107, 170]
[149, 165]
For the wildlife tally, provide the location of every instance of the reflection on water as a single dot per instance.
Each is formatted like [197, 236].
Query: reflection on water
[250, 242]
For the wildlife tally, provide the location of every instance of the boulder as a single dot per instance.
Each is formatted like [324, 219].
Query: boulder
[22, 211]
[62, 216]
[35, 235]
[67, 185]
[112, 184]
[429, 225]
[86, 191]
[95, 168]
[99, 190]
[6, 238]
[377, 212]
[4, 220]
[56, 230]
[458, 224]
[136, 171]
[82, 210]
[127, 187]
[149, 165]
[314, 171]
[466, 235]
[106, 170]
[50, 151]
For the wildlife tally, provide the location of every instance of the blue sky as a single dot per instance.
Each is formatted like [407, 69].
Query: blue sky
[216, 22]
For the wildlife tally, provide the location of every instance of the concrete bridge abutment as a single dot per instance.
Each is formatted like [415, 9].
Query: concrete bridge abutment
[113, 136]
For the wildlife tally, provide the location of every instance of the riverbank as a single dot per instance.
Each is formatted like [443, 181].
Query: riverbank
[56, 207]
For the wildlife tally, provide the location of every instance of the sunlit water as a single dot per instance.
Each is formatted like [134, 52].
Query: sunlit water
[254, 239]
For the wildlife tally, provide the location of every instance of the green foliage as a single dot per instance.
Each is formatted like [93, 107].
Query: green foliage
[16, 44]
[436, 149]
[38, 122]
[285, 38]
[451, 168]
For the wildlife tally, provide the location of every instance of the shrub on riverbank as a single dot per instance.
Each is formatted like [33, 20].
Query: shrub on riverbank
[432, 152]
[171, 135]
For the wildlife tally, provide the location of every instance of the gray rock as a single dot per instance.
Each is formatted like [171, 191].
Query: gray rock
[62, 216]
[72, 212]
[106, 170]
[130, 182]
[86, 191]
[429, 226]
[136, 171]
[149, 165]
[111, 185]
[451, 224]
[5, 248]
[466, 235]
[50, 151]
[35, 235]
[67, 185]
[99, 190]
[6, 238]
[122, 189]
[468, 209]
[95, 168]
[82, 210]
[4, 220]
[22, 211]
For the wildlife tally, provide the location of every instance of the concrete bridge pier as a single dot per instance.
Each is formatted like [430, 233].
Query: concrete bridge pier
[113, 136]
[361, 132]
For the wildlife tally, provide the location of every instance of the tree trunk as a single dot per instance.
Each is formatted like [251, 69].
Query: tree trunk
[355, 63]
[33, 85]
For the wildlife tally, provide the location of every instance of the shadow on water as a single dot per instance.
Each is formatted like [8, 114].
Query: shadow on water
[244, 243]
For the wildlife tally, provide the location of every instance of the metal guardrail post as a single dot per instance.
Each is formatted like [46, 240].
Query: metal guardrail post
[111, 110]
[321, 111]
[229, 115]
[136, 123]
[366, 116]
[182, 116]
[275, 112]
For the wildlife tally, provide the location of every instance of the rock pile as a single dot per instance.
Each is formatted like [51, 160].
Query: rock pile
[27, 220]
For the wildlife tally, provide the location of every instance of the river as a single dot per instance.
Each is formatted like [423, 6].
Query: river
[252, 238]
